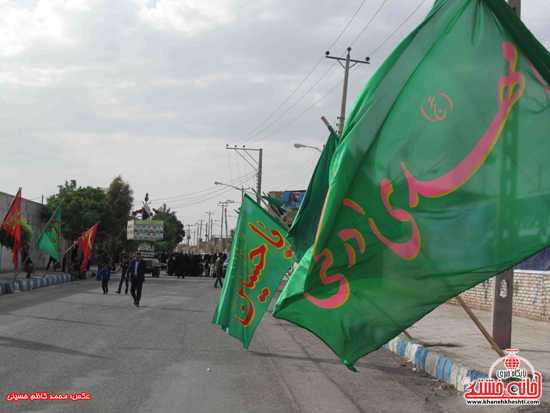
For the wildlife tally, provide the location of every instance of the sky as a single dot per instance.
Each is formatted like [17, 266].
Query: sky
[154, 90]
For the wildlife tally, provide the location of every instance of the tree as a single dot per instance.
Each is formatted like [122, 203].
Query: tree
[173, 229]
[119, 197]
[82, 208]
[26, 236]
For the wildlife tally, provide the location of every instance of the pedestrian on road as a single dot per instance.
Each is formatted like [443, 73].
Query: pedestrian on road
[136, 270]
[51, 261]
[218, 269]
[123, 275]
[104, 275]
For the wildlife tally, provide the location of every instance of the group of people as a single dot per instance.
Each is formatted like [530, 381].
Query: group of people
[178, 263]
[133, 271]
[183, 265]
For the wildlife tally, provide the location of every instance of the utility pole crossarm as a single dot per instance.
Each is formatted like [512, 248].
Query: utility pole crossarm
[342, 117]
[258, 170]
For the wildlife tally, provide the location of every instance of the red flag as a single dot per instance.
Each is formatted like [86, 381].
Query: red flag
[86, 242]
[12, 224]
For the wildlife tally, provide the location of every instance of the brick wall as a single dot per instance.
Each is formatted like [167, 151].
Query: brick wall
[531, 292]
[32, 212]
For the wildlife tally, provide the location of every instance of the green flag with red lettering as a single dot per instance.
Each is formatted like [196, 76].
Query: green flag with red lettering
[50, 239]
[260, 257]
[440, 182]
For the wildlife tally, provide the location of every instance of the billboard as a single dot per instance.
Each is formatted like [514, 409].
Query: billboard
[293, 199]
[145, 230]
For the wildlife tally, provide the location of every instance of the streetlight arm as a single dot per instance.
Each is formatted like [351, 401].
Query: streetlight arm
[299, 145]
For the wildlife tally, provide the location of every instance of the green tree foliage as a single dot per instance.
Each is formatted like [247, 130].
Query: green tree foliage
[83, 207]
[119, 197]
[26, 236]
[173, 229]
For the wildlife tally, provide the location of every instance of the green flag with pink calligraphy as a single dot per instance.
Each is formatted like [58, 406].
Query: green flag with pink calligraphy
[50, 239]
[260, 257]
[441, 180]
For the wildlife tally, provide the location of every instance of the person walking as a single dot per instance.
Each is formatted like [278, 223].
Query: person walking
[104, 275]
[123, 276]
[218, 268]
[136, 271]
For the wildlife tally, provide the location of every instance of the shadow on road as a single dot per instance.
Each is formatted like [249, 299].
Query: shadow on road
[63, 321]
[129, 305]
[36, 346]
[316, 360]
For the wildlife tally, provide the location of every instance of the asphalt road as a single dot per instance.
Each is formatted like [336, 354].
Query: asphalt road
[166, 356]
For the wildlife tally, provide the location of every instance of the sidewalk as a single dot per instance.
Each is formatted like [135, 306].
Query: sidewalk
[449, 332]
[40, 278]
[7, 276]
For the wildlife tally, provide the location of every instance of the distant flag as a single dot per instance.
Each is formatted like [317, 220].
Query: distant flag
[50, 239]
[86, 242]
[426, 198]
[12, 225]
[260, 257]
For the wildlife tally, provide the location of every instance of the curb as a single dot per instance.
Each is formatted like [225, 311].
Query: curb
[449, 371]
[26, 285]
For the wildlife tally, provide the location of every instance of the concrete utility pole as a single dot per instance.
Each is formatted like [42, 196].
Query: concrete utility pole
[221, 226]
[346, 67]
[259, 177]
[188, 236]
[226, 233]
[211, 227]
[503, 292]
[207, 222]
[258, 166]
[516, 5]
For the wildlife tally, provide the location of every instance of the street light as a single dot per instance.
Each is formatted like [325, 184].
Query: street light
[242, 189]
[299, 145]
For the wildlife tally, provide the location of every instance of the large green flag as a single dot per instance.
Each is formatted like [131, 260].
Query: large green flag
[303, 230]
[440, 182]
[50, 239]
[260, 257]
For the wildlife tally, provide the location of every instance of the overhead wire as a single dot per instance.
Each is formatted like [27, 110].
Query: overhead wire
[301, 114]
[307, 76]
[290, 108]
[368, 24]
[191, 194]
[229, 162]
[396, 30]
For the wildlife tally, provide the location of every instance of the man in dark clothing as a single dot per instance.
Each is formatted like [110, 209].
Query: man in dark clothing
[51, 261]
[136, 272]
[179, 265]
[218, 266]
[125, 265]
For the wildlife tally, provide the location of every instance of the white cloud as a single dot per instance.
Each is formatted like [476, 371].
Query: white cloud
[47, 25]
[22, 75]
[187, 16]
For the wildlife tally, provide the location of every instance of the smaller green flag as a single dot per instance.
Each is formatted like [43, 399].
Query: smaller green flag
[303, 230]
[260, 257]
[50, 239]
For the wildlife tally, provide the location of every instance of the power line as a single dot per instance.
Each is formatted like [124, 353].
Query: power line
[303, 81]
[407, 19]
[200, 198]
[294, 104]
[303, 113]
[368, 24]
[191, 194]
